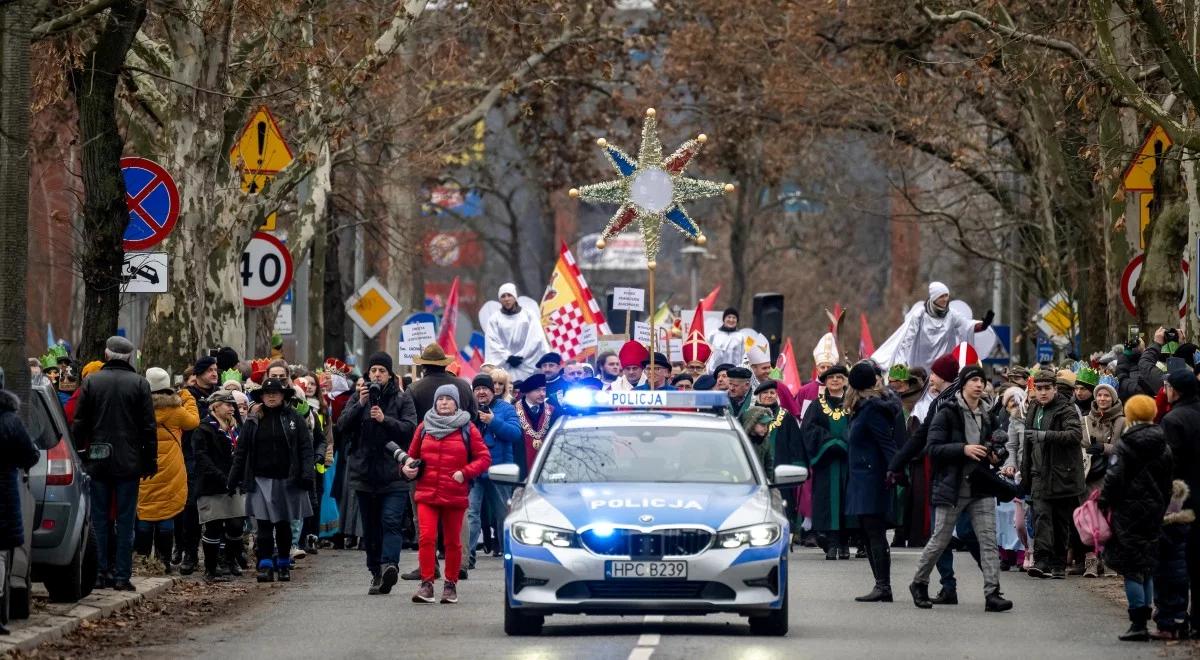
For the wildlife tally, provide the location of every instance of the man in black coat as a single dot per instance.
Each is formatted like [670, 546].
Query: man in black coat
[1181, 427]
[378, 423]
[957, 444]
[17, 452]
[114, 420]
[433, 361]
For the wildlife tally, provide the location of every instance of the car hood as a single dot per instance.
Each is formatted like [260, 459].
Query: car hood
[715, 505]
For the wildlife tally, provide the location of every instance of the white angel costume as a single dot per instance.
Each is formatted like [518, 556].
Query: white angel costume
[928, 332]
[513, 334]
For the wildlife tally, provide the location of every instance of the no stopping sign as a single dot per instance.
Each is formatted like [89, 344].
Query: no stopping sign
[266, 270]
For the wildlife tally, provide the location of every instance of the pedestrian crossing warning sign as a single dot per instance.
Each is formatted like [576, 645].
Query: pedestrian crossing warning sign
[260, 148]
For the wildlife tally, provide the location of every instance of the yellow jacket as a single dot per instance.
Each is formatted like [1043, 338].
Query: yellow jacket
[163, 496]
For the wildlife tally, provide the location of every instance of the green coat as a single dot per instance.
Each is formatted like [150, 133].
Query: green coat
[1053, 450]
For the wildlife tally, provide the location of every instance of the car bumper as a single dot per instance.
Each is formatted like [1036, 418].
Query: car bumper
[572, 581]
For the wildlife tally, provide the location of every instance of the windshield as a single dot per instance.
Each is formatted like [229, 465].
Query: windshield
[652, 454]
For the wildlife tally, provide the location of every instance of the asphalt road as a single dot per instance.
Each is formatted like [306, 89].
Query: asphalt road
[327, 614]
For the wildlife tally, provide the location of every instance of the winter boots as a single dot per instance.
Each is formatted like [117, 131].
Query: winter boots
[188, 565]
[1138, 616]
[283, 567]
[234, 559]
[1092, 567]
[920, 595]
[212, 559]
[266, 570]
[996, 602]
[945, 597]
[881, 567]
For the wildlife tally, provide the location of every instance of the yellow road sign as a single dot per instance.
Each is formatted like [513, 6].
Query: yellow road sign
[372, 307]
[261, 148]
[1139, 176]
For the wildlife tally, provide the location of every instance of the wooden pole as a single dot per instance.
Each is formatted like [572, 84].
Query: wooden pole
[650, 306]
[629, 323]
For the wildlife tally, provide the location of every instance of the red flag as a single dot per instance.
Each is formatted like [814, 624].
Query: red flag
[866, 345]
[711, 298]
[446, 336]
[787, 366]
[835, 317]
[698, 317]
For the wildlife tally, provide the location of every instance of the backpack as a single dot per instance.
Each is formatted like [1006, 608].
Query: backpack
[1093, 524]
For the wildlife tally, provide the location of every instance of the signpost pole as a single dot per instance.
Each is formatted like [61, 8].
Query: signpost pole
[650, 306]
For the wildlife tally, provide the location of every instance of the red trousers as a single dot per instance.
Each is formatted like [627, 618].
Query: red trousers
[451, 520]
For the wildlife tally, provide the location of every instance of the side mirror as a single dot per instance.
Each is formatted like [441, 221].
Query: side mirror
[509, 473]
[789, 475]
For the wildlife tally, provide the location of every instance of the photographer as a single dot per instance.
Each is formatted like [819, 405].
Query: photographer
[378, 423]
[1149, 374]
[497, 422]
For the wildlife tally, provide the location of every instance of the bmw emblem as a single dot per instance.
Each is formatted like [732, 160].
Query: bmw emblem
[646, 518]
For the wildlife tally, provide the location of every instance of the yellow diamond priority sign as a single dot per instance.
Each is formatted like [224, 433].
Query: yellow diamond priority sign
[372, 307]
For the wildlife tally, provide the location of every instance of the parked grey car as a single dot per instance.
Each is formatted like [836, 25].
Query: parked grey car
[14, 596]
[64, 548]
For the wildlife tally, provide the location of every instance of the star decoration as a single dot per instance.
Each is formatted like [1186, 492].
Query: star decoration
[651, 189]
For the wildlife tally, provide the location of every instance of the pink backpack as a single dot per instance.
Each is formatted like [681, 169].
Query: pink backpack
[1092, 523]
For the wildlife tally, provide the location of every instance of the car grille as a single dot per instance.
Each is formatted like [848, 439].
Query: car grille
[645, 590]
[658, 543]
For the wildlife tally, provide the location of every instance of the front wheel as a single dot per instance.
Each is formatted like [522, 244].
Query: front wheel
[774, 624]
[519, 624]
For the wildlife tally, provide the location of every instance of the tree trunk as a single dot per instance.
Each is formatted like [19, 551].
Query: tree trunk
[105, 213]
[316, 297]
[739, 244]
[15, 20]
[1159, 287]
[334, 298]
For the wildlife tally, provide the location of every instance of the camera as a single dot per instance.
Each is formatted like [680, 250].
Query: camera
[1171, 335]
[402, 457]
[375, 393]
[483, 408]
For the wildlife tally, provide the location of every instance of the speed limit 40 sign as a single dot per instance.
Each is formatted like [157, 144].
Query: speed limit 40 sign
[266, 270]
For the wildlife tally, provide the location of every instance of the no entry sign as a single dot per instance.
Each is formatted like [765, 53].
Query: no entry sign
[153, 202]
[1129, 280]
[266, 270]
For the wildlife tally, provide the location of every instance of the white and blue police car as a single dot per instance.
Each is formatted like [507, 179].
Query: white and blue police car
[646, 503]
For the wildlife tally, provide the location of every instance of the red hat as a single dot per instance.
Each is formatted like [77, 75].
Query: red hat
[633, 354]
[695, 349]
[946, 367]
[966, 355]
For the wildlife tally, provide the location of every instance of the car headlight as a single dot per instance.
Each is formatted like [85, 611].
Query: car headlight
[535, 534]
[754, 535]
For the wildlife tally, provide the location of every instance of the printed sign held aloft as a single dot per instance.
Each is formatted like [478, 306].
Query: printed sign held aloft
[641, 332]
[408, 352]
[421, 334]
[629, 299]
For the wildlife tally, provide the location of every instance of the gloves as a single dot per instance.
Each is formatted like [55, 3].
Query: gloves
[988, 318]
[1096, 449]
[514, 361]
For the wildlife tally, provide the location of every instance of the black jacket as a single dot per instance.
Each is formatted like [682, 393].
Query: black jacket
[947, 437]
[914, 448]
[301, 467]
[1136, 490]
[372, 467]
[1053, 467]
[115, 408]
[876, 430]
[423, 392]
[1129, 381]
[1181, 428]
[213, 455]
[17, 452]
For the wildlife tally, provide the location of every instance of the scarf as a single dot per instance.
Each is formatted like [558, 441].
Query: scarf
[440, 426]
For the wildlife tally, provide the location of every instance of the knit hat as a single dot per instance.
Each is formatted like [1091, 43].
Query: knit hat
[227, 358]
[733, 311]
[945, 367]
[509, 288]
[159, 379]
[450, 391]
[1188, 353]
[971, 371]
[1183, 380]
[483, 380]
[1140, 408]
[204, 364]
[863, 376]
[937, 290]
[380, 359]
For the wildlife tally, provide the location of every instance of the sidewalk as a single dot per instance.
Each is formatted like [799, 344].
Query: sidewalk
[52, 621]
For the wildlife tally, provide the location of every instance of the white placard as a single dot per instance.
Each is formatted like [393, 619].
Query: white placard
[587, 336]
[629, 299]
[144, 272]
[641, 332]
[419, 333]
[408, 352]
[676, 352]
[284, 320]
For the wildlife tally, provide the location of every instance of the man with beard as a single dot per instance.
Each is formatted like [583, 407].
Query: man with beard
[825, 454]
[513, 337]
[608, 368]
[727, 341]
[929, 330]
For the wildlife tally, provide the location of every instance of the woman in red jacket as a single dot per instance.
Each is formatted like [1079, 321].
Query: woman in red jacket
[453, 453]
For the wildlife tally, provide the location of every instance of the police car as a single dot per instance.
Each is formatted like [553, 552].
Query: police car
[646, 503]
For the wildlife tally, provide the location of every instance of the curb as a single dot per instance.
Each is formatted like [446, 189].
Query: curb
[60, 619]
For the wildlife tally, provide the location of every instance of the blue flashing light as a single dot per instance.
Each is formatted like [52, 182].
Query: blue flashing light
[584, 400]
[603, 530]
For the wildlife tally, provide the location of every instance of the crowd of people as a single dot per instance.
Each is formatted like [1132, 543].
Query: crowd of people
[920, 442]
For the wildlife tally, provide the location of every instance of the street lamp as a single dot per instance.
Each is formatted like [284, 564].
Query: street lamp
[694, 254]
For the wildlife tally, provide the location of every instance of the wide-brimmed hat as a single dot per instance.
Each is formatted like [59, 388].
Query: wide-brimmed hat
[433, 355]
[273, 385]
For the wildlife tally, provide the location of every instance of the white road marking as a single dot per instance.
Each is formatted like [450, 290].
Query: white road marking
[647, 641]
